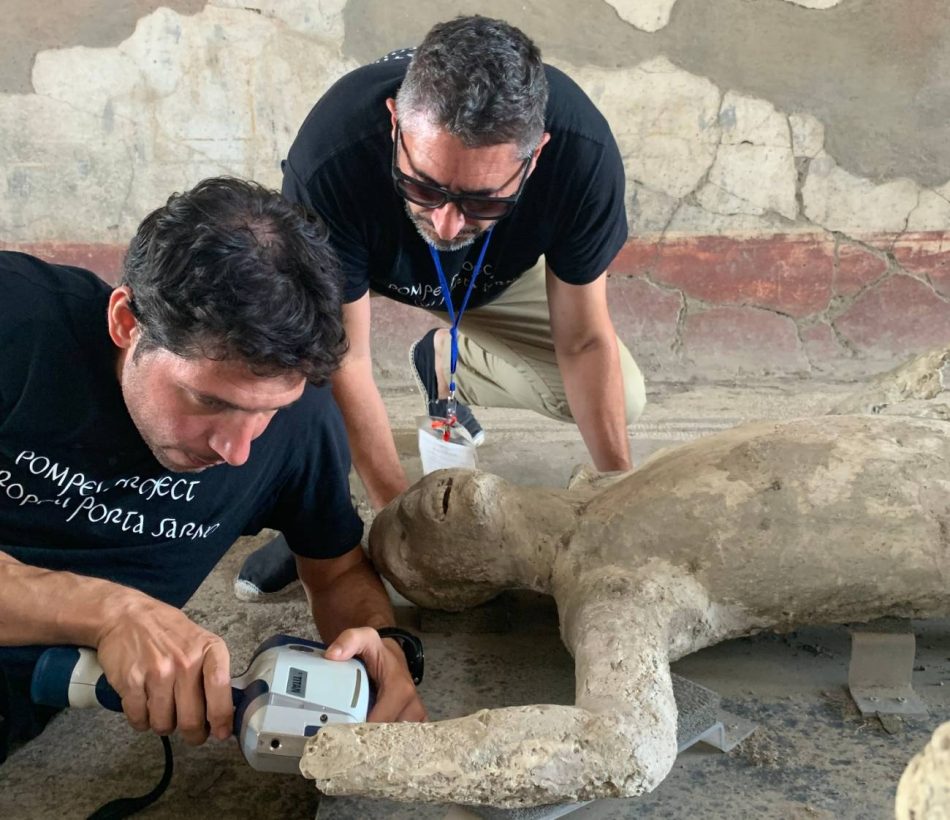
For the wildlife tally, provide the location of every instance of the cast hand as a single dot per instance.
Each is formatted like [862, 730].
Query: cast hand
[169, 672]
[396, 695]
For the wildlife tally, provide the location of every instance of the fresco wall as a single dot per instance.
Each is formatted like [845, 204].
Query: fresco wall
[788, 161]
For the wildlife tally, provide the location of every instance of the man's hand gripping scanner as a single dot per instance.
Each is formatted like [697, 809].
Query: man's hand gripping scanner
[289, 692]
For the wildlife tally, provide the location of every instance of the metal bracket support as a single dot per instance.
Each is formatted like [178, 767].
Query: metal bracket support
[725, 734]
[701, 718]
[879, 675]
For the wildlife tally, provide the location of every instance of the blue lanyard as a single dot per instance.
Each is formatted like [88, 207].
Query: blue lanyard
[454, 317]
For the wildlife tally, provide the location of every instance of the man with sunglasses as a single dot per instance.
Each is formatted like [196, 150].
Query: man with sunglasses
[469, 164]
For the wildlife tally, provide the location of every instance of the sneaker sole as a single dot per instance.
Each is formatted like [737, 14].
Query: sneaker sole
[476, 440]
[415, 374]
[250, 593]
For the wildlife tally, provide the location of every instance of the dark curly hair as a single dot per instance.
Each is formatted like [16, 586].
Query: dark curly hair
[232, 270]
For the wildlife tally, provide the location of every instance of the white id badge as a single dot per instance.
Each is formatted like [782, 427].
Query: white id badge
[438, 454]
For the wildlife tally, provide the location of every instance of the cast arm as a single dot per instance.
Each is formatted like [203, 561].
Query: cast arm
[585, 343]
[619, 740]
[349, 603]
[364, 414]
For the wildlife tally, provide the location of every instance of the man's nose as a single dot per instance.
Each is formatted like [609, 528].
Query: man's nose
[448, 221]
[232, 438]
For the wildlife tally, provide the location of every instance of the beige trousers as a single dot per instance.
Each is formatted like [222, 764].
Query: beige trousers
[506, 354]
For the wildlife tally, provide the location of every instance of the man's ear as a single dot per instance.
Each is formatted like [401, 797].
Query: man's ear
[123, 326]
[545, 137]
[391, 105]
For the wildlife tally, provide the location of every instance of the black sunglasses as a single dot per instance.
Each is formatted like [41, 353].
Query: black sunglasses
[429, 195]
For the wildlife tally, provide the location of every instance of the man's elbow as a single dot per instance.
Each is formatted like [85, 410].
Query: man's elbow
[585, 345]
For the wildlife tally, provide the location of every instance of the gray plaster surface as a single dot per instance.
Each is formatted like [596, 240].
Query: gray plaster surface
[811, 757]
[874, 71]
[30, 27]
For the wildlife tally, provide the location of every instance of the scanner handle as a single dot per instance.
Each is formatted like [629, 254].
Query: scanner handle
[72, 676]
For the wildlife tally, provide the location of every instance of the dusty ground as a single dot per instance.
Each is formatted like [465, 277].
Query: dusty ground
[811, 757]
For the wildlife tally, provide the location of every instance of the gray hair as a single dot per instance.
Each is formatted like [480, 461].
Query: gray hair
[481, 80]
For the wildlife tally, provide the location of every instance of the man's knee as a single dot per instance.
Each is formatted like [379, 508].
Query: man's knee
[634, 387]
[634, 396]
[634, 393]
[20, 719]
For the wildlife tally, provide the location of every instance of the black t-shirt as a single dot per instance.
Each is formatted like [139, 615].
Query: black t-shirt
[571, 210]
[80, 490]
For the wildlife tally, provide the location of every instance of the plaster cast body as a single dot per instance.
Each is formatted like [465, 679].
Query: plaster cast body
[766, 526]
[924, 790]
[921, 387]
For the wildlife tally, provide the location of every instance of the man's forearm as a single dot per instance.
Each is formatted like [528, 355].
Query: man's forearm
[168, 671]
[39, 606]
[367, 426]
[594, 387]
[349, 603]
[356, 598]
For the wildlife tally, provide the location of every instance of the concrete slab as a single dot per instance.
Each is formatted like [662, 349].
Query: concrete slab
[524, 447]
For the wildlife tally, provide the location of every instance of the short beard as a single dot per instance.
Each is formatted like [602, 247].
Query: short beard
[426, 231]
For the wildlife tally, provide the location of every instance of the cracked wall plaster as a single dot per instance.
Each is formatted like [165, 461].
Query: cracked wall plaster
[665, 121]
[808, 135]
[875, 72]
[111, 132]
[739, 121]
[31, 27]
[649, 211]
[931, 214]
[754, 169]
[652, 15]
[840, 201]
[691, 219]
[319, 18]
[646, 15]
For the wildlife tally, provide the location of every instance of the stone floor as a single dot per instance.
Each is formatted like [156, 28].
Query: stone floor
[812, 756]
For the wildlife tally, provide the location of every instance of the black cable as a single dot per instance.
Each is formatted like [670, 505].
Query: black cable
[127, 806]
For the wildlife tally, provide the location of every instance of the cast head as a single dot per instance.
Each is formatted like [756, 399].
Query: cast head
[458, 513]
[470, 115]
[457, 538]
[228, 305]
